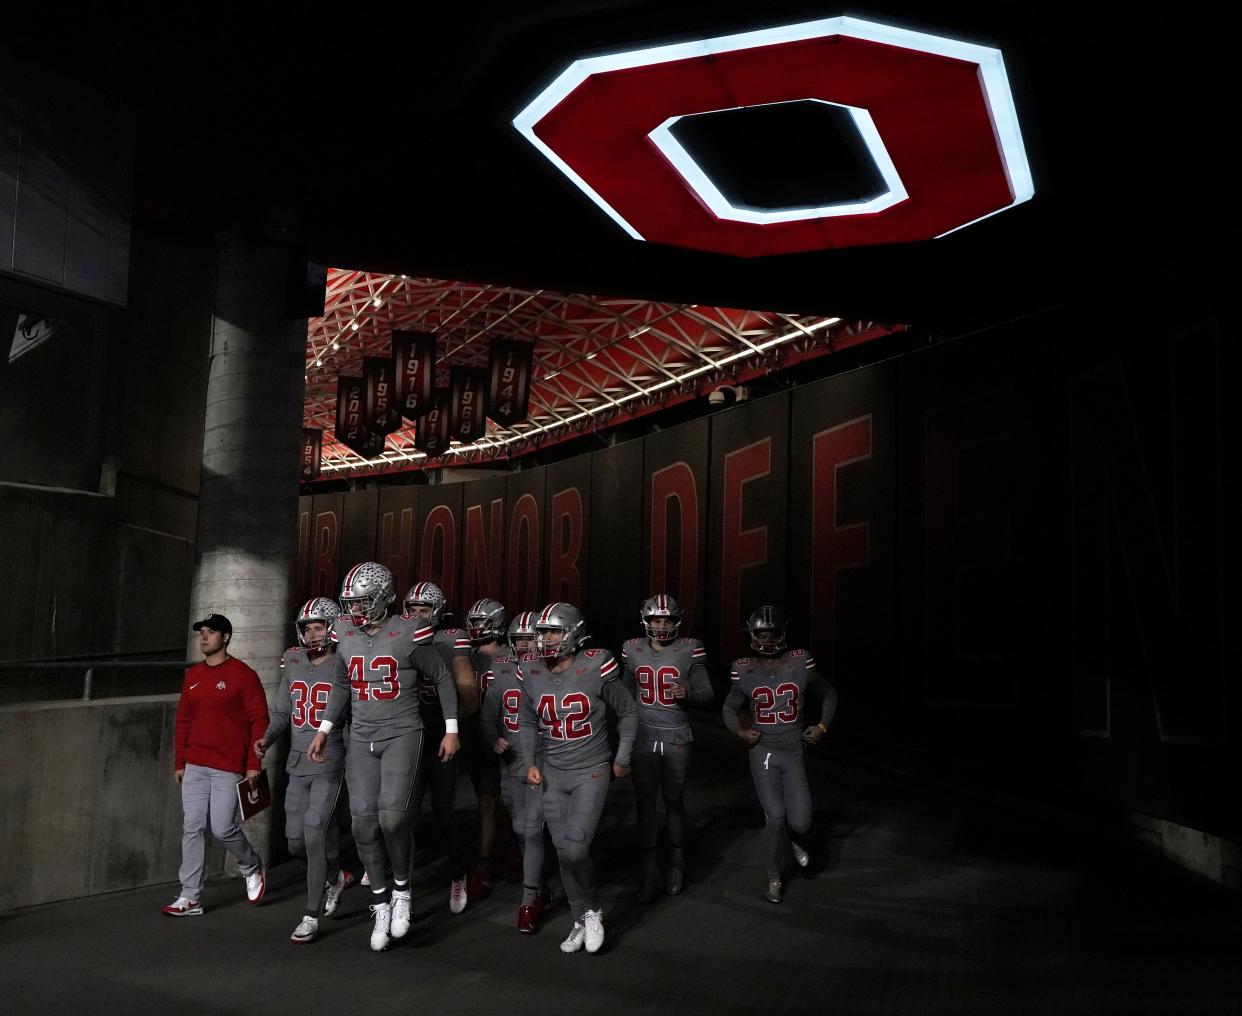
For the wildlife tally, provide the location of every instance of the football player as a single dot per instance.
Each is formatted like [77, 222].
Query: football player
[314, 790]
[379, 661]
[425, 603]
[774, 686]
[666, 675]
[563, 734]
[500, 717]
[486, 623]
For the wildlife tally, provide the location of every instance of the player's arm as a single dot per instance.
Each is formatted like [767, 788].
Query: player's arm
[467, 687]
[181, 728]
[278, 721]
[621, 702]
[628, 681]
[736, 700]
[426, 659]
[255, 704]
[489, 717]
[817, 684]
[528, 735]
[700, 694]
[338, 702]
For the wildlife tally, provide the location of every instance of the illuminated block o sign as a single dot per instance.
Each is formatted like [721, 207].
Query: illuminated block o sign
[936, 116]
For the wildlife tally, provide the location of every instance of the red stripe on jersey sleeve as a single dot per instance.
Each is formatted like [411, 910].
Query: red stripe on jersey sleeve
[810, 663]
[462, 644]
[423, 634]
[733, 676]
[700, 653]
[608, 667]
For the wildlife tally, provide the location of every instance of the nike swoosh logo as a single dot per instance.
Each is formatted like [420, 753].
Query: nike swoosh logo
[193, 686]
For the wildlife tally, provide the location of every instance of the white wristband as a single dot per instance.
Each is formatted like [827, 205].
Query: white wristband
[450, 726]
[325, 726]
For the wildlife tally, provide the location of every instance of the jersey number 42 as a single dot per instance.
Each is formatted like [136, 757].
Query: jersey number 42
[566, 719]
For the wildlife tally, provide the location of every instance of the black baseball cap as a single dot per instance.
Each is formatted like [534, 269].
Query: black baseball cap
[216, 622]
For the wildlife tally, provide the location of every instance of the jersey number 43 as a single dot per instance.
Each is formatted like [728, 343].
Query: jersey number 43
[382, 688]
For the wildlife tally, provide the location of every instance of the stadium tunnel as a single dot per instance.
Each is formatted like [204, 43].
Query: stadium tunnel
[915, 325]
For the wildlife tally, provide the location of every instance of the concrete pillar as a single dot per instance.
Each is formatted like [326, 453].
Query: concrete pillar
[247, 515]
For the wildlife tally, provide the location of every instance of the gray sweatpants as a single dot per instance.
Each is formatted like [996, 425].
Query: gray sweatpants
[660, 767]
[785, 795]
[312, 832]
[209, 800]
[525, 806]
[573, 800]
[381, 777]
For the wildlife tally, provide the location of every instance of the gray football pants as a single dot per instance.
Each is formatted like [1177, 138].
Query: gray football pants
[209, 800]
[573, 800]
[785, 795]
[311, 829]
[525, 806]
[660, 767]
[381, 777]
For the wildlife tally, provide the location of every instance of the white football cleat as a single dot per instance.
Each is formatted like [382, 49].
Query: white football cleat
[332, 894]
[256, 885]
[307, 931]
[400, 912]
[594, 921]
[458, 898]
[577, 935]
[383, 921]
[800, 855]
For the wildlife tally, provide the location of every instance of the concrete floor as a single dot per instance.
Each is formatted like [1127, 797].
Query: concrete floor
[919, 902]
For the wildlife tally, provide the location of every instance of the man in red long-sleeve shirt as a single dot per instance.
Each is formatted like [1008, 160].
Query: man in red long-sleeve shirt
[222, 712]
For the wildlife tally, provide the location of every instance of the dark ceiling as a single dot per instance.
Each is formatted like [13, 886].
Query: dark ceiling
[385, 136]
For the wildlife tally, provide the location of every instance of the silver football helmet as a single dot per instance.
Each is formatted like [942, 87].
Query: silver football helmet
[319, 610]
[769, 631]
[426, 594]
[661, 606]
[366, 593]
[561, 619]
[486, 620]
[522, 627]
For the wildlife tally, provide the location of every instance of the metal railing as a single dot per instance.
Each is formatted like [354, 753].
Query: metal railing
[96, 662]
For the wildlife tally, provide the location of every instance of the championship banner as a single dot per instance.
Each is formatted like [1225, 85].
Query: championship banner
[414, 359]
[467, 389]
[431, 431]
[508, 381]
[351, 427]
[382, 415]
[312, 445]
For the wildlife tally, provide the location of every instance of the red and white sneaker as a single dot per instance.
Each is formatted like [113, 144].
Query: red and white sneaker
[256, 885]
[183, 907]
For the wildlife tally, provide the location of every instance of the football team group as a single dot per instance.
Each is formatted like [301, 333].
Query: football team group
[383, 707]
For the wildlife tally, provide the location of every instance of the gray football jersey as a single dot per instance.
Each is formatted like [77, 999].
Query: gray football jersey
[449, 643]
[563, 717]
[301, 702]
[649, 675]
[501, 706]
[776, 697]
[378, 677]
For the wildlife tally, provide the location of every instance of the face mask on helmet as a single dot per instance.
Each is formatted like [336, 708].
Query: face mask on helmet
[486, 621]
[426, 600]
[366, 593]
[661, 617]
[314, 623]
[560, 631]
[522, 633]
[769, 630]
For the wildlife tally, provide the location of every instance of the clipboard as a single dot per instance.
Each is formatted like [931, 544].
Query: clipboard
[253, 800]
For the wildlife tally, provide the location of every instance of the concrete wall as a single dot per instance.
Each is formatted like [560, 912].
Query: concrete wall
[88, 799]
[99, 498]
